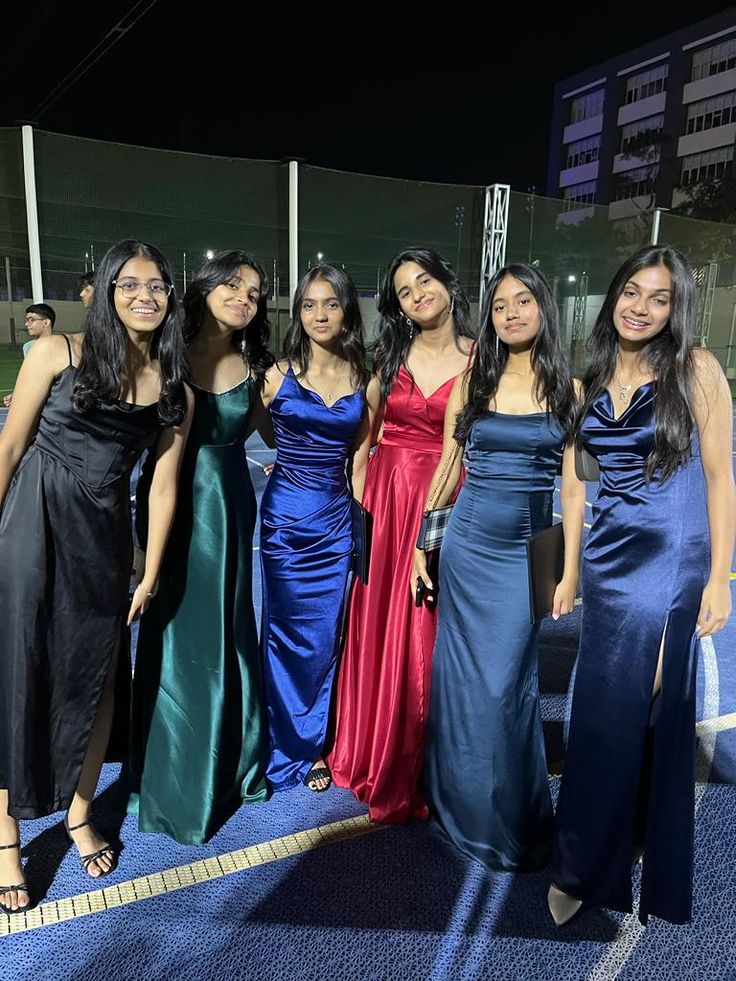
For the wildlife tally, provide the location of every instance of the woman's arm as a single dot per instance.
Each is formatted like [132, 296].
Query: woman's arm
[260, 420]
[272, 382]
[364, 441]
[713, 409]
[45, 360]
[572, 497]
[445, 477]
[168, 454]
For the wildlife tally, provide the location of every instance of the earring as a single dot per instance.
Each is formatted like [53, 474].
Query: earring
[498, 346]
[452, 304]
[243, 345]
[411, 325]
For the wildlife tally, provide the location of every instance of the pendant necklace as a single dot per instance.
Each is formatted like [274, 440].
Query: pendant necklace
[327, 399]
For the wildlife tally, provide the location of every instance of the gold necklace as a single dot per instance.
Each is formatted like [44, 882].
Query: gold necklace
[327, 399]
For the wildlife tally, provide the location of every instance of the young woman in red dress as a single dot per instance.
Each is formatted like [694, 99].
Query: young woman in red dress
[424, 342]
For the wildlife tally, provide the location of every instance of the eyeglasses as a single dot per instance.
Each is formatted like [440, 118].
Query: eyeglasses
[33, 320]
[130, 288]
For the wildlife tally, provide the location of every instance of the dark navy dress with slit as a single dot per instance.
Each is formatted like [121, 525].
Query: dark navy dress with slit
[66, 546]
[629, 771]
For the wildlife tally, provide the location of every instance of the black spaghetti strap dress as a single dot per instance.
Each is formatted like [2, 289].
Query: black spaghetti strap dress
[65, 543]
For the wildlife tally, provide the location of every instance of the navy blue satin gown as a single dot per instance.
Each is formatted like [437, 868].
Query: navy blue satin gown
[629, 769]
[486, 774]
[306, 549]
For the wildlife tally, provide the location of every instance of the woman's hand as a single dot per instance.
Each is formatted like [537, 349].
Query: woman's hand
[715, 608]
[419, 571]
[140, 602]
[564, 598]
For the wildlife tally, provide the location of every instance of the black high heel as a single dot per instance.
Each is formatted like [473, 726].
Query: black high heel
[86, 860]
[21, 887]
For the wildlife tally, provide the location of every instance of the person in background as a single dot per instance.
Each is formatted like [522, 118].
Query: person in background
[39, 322]
[86, 289]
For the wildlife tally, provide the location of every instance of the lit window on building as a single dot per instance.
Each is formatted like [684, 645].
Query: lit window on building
[635, 183]
[583, 151]
[709, 113]
[586, 106]
[578, 196]
[645, 84]
[714, 60]
[631, 133]
[709, 166]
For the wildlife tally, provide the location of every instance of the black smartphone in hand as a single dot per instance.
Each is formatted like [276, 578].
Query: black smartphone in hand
[421, 591]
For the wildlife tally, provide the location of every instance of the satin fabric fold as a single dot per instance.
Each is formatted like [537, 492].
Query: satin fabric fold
[384, 676]
[629, 772]
[65, 536]
[486, 771]
[199, 735]
[306, 551]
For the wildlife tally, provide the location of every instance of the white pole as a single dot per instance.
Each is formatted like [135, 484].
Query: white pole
[293, 228]
[654, 237]
[34, 245]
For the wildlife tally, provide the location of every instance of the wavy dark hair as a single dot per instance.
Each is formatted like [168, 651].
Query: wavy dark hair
[554, 388]
[668, 355]
[350, 345]
[251, 341]
[394, 335]
[106, 345]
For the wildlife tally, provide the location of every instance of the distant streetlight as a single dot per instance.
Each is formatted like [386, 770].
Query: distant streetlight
[320, 256]
[459, 222]
[571, 279]
[209, 254]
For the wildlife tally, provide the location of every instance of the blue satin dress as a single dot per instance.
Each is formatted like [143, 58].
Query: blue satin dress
[306, 549]
[486, 772]
[629, 767]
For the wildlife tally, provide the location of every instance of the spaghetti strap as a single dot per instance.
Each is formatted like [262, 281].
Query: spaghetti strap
[69, 348]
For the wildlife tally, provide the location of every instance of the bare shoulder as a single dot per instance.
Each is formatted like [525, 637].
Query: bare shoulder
[710, 385]
[708, 371]
[373, 391]
[50, 353]
[77, 344]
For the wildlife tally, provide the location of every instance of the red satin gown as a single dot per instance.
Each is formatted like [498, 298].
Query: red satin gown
[384, 674]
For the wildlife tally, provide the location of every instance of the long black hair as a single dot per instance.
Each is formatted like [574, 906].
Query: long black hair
[100, 372]
[553, 388]
[251, 341]
[395, 335]
[668, 355]
[350, 345]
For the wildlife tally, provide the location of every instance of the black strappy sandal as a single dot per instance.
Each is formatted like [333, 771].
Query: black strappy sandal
[318, 773]
[21, 887]
[86, 860]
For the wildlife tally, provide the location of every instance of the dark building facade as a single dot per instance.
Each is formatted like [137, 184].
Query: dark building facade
[635, 131]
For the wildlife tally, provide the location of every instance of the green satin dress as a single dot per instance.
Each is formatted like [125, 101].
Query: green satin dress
[199, 735]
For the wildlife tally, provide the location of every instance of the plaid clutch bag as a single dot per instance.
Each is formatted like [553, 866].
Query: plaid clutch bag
[433, 527]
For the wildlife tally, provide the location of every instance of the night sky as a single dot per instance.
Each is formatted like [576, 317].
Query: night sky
[405, 94]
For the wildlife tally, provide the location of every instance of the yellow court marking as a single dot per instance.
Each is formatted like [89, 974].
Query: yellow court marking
[720, 724]
[168, 880]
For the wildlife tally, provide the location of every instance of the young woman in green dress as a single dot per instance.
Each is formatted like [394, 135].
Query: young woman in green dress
[199, 737]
